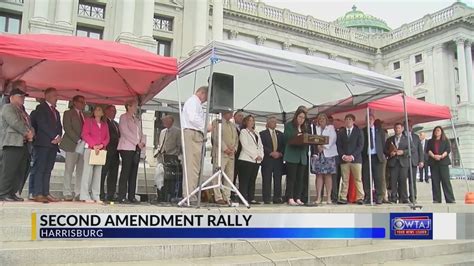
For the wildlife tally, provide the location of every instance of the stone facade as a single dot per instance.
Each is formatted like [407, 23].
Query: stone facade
[432, 55]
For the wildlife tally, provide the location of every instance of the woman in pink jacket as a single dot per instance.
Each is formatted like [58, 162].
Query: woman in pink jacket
[95, 132]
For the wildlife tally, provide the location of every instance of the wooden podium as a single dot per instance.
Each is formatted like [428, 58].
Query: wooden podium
[303, 139]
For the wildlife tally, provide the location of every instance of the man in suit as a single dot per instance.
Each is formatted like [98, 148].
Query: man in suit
[396, 148]
[18, 132]
[229, 145]
[112, 162]
[73, 120]
[376, 152]
[46, 144]
[350, 144]
[424, 169]
[272, 164]
[417, 161]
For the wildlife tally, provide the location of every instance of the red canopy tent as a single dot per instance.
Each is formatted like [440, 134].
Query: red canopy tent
[102, 71]
[389, 110]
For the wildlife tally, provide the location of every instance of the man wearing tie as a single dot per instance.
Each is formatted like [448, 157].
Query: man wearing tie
[272, 164]
[396, 148]
[238, 118]
[112, 162]
[228, 149]
[376, 153]
[73, 120]
[424, 169]
[46, 144]
[350, 143]
[18, 133]
[417, 161]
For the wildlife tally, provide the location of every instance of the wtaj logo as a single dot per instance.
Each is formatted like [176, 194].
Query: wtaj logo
[411, 226]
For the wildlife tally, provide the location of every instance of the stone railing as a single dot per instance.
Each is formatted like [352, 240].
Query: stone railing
[429, 21]
[262, 10]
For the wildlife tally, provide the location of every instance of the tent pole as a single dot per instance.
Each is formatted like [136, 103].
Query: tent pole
[144, 160]
[203, 148]
[460, 157]
[183, 144]
[410, 168]
[370, 157]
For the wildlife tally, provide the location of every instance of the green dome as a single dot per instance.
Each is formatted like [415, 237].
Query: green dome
[358, 20]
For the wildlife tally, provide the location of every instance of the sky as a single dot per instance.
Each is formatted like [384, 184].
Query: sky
[395, 13]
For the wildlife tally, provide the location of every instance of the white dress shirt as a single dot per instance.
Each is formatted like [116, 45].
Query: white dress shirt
[193, 115]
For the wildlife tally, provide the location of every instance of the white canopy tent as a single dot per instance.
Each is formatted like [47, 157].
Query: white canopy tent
[270, 81]
[274, 82]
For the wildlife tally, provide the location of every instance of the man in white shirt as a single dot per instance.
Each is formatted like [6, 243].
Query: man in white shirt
[194, 127]
[424, 168]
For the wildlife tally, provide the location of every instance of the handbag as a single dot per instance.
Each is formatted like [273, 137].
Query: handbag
[80, 147]
[98, 159]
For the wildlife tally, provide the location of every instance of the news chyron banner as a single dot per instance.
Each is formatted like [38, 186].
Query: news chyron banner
[253, 226]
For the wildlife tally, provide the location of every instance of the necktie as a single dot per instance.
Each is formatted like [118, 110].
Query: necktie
[81, 116]
[274, 141]
[53, 112]
[397, 141]
[348, 133]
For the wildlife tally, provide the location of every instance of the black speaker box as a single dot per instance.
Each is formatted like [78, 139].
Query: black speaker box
[222, 93]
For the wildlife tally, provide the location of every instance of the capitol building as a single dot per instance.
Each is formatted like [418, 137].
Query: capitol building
[432, 55]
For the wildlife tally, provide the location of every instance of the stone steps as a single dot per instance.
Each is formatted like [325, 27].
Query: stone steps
[466, 259]
[274, 252]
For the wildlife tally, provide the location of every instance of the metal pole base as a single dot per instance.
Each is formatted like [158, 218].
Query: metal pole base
[219, 174]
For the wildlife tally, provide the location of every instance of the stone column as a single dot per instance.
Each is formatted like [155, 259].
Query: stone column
[470, 86]
[200, 24]
[462, 69]
[217, 19]
[378, 62]
[64, 10]
[146, 21]
[406, 77]
[41, 10]
[438, 77]
[127, 16]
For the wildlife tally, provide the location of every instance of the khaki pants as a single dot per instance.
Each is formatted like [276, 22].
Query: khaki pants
[228, 169]
[74, 160]
[356, 170]
[193, 145]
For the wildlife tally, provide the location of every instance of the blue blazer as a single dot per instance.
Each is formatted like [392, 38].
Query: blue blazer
[47, 127]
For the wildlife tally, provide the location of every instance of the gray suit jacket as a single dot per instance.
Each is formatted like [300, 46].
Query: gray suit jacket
[14, 126]
[398, 160]
[172, 142]
[72, 125]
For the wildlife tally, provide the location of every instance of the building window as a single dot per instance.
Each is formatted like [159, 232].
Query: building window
[91, 10]
[456, 75]
[89, 32]
[418, 58]
[162, 23]
[419, 77]
[454, 153]
[422, 98]
[399, 77]
[396, 65]
[10, 23]
[164, 47]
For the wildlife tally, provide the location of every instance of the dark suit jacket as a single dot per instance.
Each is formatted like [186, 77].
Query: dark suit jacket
[379, 143]
[114, 134]
[268, 145]
[48, 126]
[352, 145]
[444, 146]
[417, 154]
[398, 160]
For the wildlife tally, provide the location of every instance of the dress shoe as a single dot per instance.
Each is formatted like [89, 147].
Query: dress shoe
[436, 202]
[451, 202]
[254, 202]
[7, 198]
[278, 201]
[367, 201]
[41, 198]
[427, 181]
[51, 198]
[378, 202]
[386, 202]
[221, 202]
[16, 198]
[134, 201]
[359, 202]
[405, 201]
[342, 202]
[68, 198]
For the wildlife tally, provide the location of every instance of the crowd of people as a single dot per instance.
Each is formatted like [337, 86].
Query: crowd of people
[29, 144]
